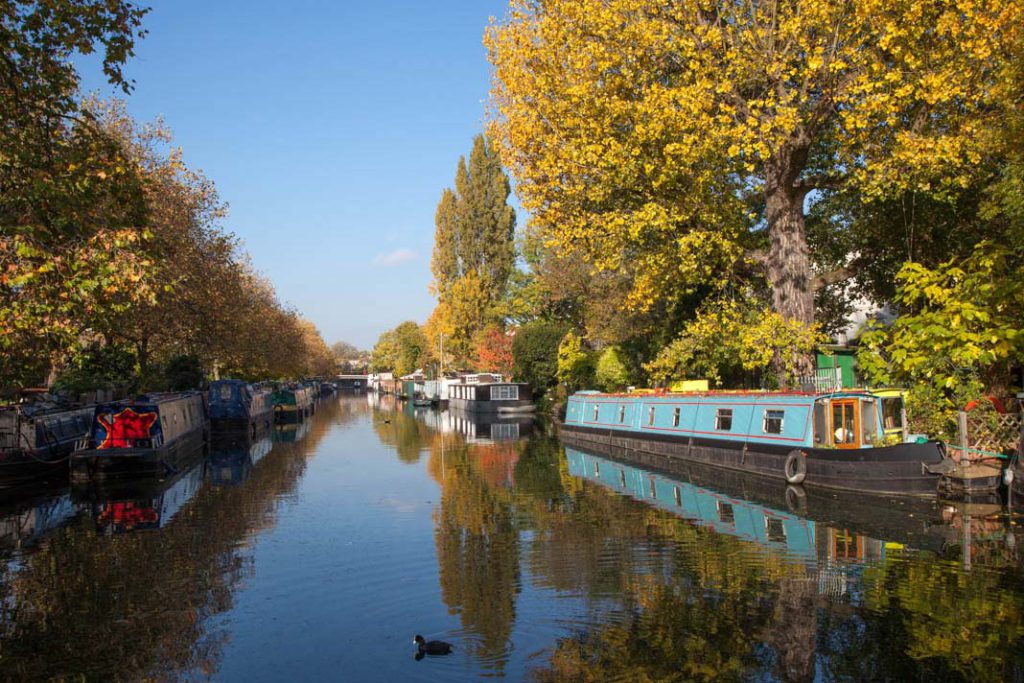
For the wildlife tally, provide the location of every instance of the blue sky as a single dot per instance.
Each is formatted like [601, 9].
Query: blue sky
[330, 128]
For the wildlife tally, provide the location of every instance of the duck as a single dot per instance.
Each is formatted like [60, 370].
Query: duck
[432, 647]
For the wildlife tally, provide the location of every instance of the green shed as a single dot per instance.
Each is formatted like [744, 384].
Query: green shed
[842, 357]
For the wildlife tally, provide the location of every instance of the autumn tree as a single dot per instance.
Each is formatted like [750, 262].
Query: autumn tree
[634, 127]
[494, 351]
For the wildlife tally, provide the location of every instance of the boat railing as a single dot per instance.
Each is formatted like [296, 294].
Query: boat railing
[823, 380]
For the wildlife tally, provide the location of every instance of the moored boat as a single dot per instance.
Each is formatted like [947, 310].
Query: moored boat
[151, 435]
[834, 440]
[292, 404]
[238, 407]
[36, 439]
[491, 397]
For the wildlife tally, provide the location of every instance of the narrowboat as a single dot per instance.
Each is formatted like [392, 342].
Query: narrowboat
[151, 435]
[36, 439]
[835, 440]
[238, 407]
[292, 405]
[502, 398]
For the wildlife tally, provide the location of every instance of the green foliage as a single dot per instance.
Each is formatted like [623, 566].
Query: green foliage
[100, 367]
[730, 339]
[184, 372]
[612, 373]
[961, 327]
[401, 350]
[535, 353]
[575, 363]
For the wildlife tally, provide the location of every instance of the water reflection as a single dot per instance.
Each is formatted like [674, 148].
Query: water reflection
[535, 561]
[96, 603]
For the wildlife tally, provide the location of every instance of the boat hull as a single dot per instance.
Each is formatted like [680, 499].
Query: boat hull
[892, 470]
[93, 464]
[490, 407]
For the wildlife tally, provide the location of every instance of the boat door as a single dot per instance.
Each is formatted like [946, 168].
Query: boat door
[846, 423]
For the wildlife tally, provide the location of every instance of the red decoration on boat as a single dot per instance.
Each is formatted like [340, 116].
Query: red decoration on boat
[125, 427]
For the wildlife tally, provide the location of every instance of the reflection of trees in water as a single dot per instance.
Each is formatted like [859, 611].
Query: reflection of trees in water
[136, 606]
[477, 541]
[398, 427]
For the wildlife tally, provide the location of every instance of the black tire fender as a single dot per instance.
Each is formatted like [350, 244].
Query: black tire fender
[796, 499]
[795, 468]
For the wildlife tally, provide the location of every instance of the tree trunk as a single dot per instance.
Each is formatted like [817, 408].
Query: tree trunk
[788, 264]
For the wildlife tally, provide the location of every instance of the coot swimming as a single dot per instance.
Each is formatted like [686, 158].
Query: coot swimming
[432, 647]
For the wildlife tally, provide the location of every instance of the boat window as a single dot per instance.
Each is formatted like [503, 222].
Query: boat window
[505, 393]
[723, 419]
[622, 478]
[725, 513]
[622, 414]
[892, 413]
[773, 421]
[868, 421]
[654, 491]
[225, 392]
[650, 415]
[820, 425]
[595, 413]
[676, 494]
[675, 417]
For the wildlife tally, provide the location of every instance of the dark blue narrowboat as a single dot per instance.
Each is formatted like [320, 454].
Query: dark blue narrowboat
[151, 435]
[36, 440]
[239, 408]
[833, 440]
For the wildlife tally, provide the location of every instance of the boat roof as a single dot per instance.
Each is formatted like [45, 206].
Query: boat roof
[737, 393]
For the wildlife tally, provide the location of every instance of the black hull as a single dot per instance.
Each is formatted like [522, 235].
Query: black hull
[166, 461]
[487, 407]
[241, 426]
[50, 464]
[892, 470]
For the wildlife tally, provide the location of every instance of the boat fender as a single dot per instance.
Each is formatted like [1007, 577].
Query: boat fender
[1008, 477]
[796, 467]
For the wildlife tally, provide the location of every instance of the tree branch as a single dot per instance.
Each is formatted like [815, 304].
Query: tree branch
[832, 277]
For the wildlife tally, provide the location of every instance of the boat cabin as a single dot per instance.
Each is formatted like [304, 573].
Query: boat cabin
[847, 419]
[150, 421]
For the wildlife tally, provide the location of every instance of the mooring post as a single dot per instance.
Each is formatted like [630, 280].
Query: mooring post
[962, 420]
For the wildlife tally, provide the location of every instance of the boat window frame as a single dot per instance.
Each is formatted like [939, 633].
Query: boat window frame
[650, 416]
[721, 415]
[781, 420]
[597, 410]
[677, 413]
[622, 413]
[854, 404]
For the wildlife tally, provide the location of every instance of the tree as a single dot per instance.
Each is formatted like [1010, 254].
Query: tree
[960, 331]
[575, 362]
[401, 350]
[535, 353]
[633, 127]
[612, 373]
[494, 351]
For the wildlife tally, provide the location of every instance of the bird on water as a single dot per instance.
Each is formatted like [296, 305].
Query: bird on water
[432, 647]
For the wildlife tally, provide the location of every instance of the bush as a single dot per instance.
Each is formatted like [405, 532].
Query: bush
[612, 373]
[535, 353]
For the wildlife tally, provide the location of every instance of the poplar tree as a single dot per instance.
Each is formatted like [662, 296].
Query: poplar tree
[475, 226]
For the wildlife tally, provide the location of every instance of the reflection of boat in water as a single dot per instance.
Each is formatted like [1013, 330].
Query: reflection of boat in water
[24, 522]
[230, 466]
[479, 427]
[753, 508]
[120, 507]
[292, 432]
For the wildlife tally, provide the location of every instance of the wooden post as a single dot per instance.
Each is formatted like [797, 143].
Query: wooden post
[962, 420]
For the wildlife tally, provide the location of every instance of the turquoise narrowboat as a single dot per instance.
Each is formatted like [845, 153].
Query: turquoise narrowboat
[834, 440]
[151, 435]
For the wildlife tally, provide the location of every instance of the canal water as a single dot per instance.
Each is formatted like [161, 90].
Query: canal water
[319, 553]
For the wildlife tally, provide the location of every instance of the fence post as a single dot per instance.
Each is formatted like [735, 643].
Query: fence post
[962, 419]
